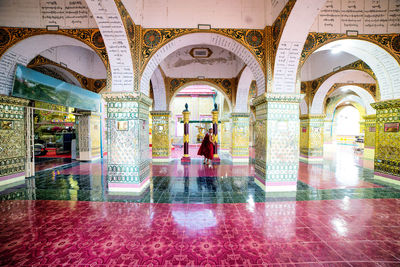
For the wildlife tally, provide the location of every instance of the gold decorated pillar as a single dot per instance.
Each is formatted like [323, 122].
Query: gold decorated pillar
[240, 137]
[369, 136]
[312, 138]
[186, 118]
[226, 135]
[161, 145]
[277, 141]
[387, 141]
[15, 154]
[88, 136]
[215, 114]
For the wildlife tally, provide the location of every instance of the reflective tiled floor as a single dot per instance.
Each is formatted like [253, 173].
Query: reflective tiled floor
[198, 215]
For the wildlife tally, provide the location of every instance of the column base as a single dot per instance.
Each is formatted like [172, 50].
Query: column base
[369, 153]
[185, 160]
[128, 187]
[311, 160]
[387, 178]
[240, 159]
[216, 159]
[13, 178]
[161, 159]
[85, 156]
[275, 186]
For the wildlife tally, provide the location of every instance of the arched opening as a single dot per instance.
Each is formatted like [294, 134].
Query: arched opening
[211, 39]
[200, 97]
[54, 126]
[383, 64]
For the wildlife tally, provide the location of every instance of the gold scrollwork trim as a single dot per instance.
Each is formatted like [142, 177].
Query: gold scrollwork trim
[94, 85]
[315, 40]
[91, 37]
[127, 97]
[228, 86]
[155, 38]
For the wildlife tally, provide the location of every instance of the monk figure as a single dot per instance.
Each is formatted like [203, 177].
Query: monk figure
[207, 147]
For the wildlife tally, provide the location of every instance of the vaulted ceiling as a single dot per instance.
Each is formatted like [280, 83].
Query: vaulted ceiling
[219, 63]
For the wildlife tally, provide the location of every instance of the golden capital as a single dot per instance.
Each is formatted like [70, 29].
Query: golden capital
[186, 116]
[215, 116]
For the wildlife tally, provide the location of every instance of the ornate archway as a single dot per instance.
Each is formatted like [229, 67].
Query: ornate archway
[202, 38]
[23, 51]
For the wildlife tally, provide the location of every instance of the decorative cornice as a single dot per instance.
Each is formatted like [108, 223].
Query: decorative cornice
[268, 97]
[370, 117]
[394, 103]
[160, 113]
[240, 115]
[313, 117]
[13, 100]
[127, 97]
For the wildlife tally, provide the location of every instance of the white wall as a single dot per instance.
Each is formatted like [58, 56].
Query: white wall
[190, 13]
[323, 62]
[221, 64]
[348, 121]
[364, 16]
[78, 59]
[39, 13]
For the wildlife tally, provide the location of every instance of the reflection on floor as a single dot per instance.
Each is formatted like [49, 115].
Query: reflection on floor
[343, 168]
[201, 215]
[48, 163]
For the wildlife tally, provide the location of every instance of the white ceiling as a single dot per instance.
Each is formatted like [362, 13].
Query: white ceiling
[323, 62]
[221, 64]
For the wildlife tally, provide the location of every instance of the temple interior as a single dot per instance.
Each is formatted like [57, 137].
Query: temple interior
[105, 106]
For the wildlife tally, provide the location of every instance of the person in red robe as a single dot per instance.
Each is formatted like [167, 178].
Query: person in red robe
[207, 147]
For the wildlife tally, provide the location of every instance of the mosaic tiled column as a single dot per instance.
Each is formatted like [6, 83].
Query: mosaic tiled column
[387, 141]
[89, 136]
[186, 118]
[128, 161]
[369, 136]
[12, 139]
[161, 147]
[226, 135]
[277, 141]
[240, 137]
[215, 114]
[312, 138]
